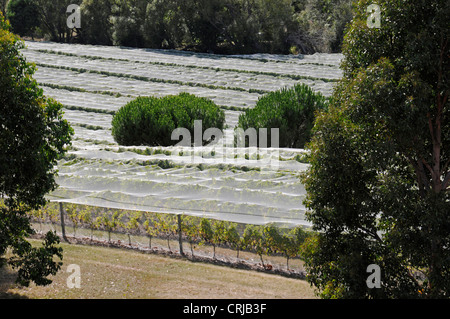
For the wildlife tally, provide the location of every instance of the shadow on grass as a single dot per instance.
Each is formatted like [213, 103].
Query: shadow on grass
[8, 281]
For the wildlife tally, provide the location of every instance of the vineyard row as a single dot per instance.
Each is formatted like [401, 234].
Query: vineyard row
[264, 240]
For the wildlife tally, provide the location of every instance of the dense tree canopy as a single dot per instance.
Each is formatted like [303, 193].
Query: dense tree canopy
[220, 26]
[33, 135]
[23, 16]
[378, 185]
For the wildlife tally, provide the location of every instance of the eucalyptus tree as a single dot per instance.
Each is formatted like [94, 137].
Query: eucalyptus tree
[378, 184]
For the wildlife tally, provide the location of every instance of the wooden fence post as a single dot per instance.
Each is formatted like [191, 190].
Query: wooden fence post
[63, 228]
[180, 235]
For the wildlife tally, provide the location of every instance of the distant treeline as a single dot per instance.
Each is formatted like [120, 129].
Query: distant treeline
[219, 26]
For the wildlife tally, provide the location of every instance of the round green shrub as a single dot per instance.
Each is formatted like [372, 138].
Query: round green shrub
[150, 121]
[291, 110]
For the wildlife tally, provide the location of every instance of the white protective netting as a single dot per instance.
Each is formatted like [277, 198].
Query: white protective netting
[95, 81]
[217, 192]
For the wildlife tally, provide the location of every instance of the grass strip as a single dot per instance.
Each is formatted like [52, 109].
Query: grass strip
[154, 80]
[112, 273]
[81, 90]
[88, 109]
[217, 69]
[117, 94]
[91, 127]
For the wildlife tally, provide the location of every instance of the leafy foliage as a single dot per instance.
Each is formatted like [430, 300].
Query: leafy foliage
[110, 222]
[263, 240]
[151, 121]
[53, 19]
[291, 110]
[190, 229]
[3, 4]
[23, 16]
[33, 135]
[322, 24]
[96, 23]
[220, 26]
[378, 185]
[36, 264]
[166, 227]
[253, 239]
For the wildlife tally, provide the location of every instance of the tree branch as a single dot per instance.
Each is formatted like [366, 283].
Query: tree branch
[444, 169]
[372, 233]
[424, 162]
[446, 182]
[422, 176]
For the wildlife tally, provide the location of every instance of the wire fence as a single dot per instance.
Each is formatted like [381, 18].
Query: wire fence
[263, 247]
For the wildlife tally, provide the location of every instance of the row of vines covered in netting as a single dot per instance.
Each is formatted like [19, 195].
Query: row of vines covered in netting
[263, 240]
